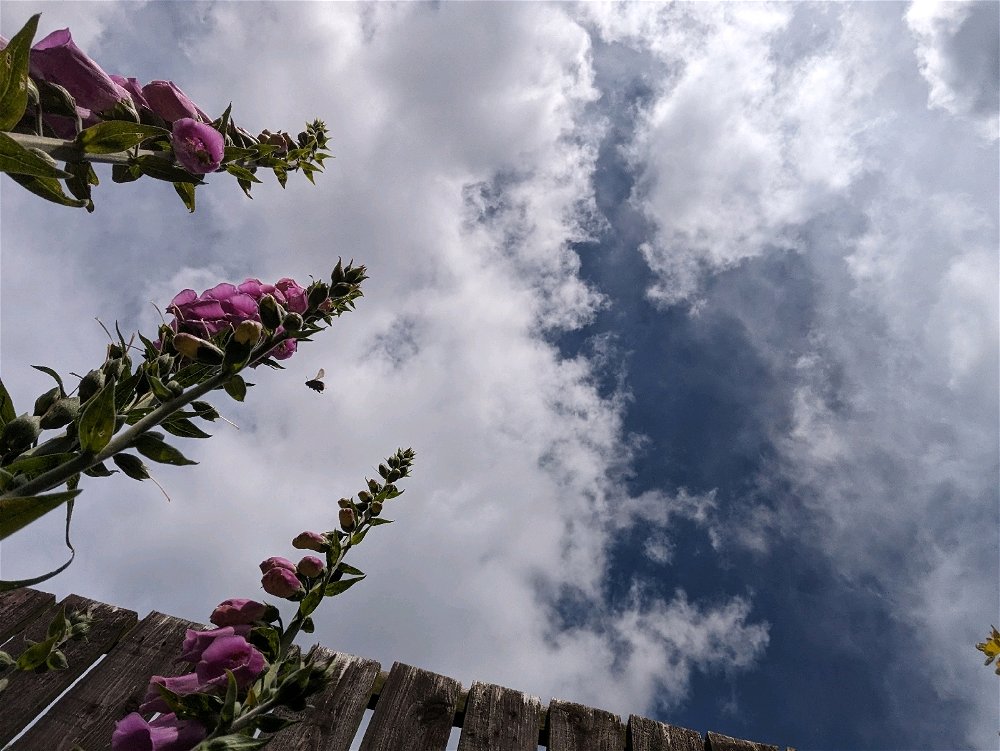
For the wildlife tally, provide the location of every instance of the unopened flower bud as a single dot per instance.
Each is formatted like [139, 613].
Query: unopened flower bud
[376, 508]
[90, 384]
[19, 434]
[311, 541]
[197, 349]
[281, 582]
[292, 322]
[46, 400]
[63, 412]
[345, 503]
[364, 497]
[248, 332]
[318, 294]
[348, 519]
[271, 312]
[310, 566]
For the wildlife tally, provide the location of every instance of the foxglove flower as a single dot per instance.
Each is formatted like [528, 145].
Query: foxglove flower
[311, 566]
[197, 147]
[280, 582]
[238, 611]
[170, 103]
[57, 59]
[165, 733]
[233, 653]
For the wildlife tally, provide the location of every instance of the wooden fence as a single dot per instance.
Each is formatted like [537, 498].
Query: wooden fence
[414, 710]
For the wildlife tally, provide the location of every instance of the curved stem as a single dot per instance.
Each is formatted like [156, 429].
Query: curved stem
[57, 476]
[68, 151]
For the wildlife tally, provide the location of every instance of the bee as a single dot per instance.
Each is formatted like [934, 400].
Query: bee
[316, 384]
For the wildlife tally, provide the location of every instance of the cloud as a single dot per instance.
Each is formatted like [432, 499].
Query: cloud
[772, 137]
[465, 157]
[958, 54]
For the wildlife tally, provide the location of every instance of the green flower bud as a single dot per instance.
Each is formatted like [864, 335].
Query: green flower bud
[345, 503]
[376, 508]
[271, 312]
[338, 275]
[248, 332]
[175, 388]
[364, 497]
[318, 294]
[46, 400]
[19, 434]
[292, 322]
[63, 412]
[197, 349]
[348, 519]
[90, 384]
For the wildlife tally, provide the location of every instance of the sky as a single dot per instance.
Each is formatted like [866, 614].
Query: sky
[689, 311]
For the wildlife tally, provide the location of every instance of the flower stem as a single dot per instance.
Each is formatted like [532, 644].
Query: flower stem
[61, 474]
[68, 151]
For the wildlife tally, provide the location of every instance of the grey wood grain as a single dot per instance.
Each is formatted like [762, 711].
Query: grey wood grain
[500, 719]
[719, 742]
[415, 711]
[86, 715]
[333, 718]
[29, 693]
[574, 727]
[17, 609]
[650, 735]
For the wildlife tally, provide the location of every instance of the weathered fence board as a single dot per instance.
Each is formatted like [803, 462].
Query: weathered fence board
[19, 608]
[87, 714]
[336, 713]
[650, 735]
[574, 727]
[28, 693]
[415, 711]
[500, 719]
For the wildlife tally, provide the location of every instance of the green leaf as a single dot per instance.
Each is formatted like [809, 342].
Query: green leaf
[242, 172]
[132, 466]
[346, 568]
[122, 174]
[379, 520]
[205, 411]
[162, 169]
[233, 742]
[228, 712]
[154, 448]
[16, 159]
[99, 470]
[236, 387]
[186, 192]
[49, 189]
[311, 601]
[14, 75]
[184, 428]
[7, 412]
[113, 136]
[335, 588]
[269, 723]
[233, 153]
[82, 178]
[54, 374]
[97, 423]
[36, 655]
[18, 512]
[31, 466]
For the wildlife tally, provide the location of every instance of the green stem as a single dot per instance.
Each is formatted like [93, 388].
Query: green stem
[68, 151]
[61, 474]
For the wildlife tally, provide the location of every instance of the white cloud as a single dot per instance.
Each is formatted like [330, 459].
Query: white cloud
[957, 51]
[463, 173]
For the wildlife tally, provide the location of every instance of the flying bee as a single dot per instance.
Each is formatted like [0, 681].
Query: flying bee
[316, 384]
